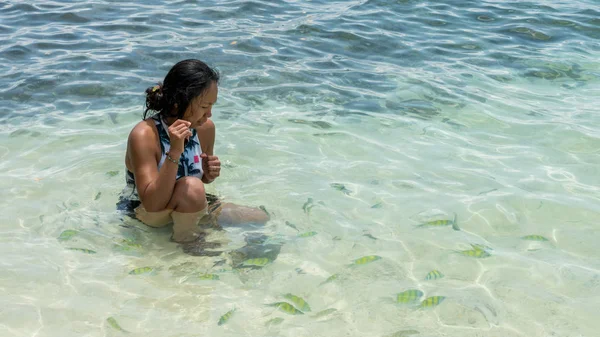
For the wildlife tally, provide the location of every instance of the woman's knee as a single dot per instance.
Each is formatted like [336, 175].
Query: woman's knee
[188, 195]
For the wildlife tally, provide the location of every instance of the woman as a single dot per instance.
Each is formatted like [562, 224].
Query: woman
[170, 157]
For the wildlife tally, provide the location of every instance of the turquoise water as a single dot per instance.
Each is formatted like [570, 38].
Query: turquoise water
[421, 109]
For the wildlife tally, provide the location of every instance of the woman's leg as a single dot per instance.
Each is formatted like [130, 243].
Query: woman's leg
[188, 208]
[232, 214]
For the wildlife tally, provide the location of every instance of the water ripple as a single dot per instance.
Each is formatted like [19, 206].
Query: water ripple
[420, 108]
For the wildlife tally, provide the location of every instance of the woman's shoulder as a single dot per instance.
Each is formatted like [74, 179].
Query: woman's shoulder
[144, 131]
[206, 132]
[209, 125]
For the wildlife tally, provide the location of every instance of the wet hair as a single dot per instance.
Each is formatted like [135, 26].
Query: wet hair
[185, 81]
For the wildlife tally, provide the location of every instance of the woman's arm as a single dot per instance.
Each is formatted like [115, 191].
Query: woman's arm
[154, 188]
[206, 135]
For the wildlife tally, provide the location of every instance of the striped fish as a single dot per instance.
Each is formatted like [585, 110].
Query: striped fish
[113, 323]
[298, 301]
[434, 275]
[223, 319]
[274, 321]
[306, 207]
[141, 270]
[409, 296]
[404, 333]
[366, 259]
[331, 278]
[257, 262]
[128, 245]
[325, 312]
[431, 302]
[307, 234]
[476, 253]
[370, 236]
[441, 223]
[287, 308]
[213, 277]
[289, 224]
[67, 234]
[341, 187]
[480, 247]
[83, 250]
[534, 238]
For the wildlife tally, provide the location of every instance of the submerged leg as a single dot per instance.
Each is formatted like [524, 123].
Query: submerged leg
[232, 215]
[189, 209]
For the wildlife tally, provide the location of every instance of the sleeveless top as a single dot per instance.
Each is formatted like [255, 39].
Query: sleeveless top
[190, 163]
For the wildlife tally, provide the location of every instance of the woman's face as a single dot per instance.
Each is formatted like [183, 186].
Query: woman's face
[200, 108]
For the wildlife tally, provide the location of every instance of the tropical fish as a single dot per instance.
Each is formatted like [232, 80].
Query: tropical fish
[287, 308]
[366, 259]
[213, 277]
[325, 312]
[258, 262]
[306, 205]
[223, 319]
[274, 321]
[264, 209]
[434, 275]
[377, 205]
[403, 333]
[341, 187]
[315, 124]
[113, 323]
[534, 238]
[476, 253]
[409, 296]
[67, 234]
[128, 245]
[133, 227]
[331, 278]
[223, 270]
[480, 247]
[436, 223]
[83, 250]
[307, 234]
[441, 223]
[289, 224]
[112, 173]
[219, 263]
[131, 243]
[141, 270]
[430, 302]
[276, 239]
[298, 301]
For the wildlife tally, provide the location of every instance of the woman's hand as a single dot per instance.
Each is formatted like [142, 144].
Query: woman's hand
[211, 166]
[179, 131]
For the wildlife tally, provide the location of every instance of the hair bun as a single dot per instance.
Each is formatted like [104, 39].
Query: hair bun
[154, 97]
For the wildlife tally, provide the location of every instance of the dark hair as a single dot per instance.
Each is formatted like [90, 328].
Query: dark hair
[184, 82]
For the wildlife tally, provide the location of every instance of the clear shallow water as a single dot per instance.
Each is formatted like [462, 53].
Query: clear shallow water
[483, 109]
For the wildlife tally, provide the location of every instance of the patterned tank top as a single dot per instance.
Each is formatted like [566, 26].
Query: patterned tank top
[190, 163]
